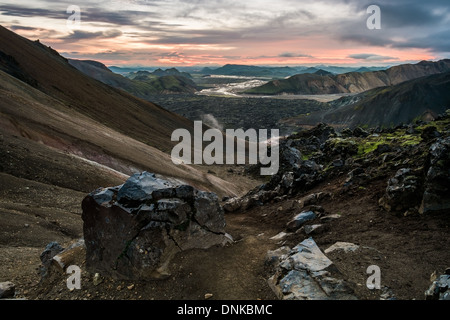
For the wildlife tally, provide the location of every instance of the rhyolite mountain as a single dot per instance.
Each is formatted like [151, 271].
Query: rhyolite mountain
[352, 82]
[420, 99]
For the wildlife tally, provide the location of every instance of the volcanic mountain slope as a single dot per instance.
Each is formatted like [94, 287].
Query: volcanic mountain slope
[78, 115]
[352, 82]
[388, 106]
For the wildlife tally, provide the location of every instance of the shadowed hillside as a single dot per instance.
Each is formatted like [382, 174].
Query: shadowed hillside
[389, 106]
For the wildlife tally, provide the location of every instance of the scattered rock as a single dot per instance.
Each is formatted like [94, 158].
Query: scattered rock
[360, 132]
[330, 217]
[232, 205]
[439, 289]
[274, 257]
[403, 191]
[436, 197]
[208, 296]
[279, 236]
[133, 231]
[305, 273]
[337, 163]
[311, 228]
[344, 246]
[97, 279]
[300, 219]
[314, 198]
[430, 133]
[51, 250]
[7, 290]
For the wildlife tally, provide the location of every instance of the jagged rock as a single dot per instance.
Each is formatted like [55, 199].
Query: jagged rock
[439, 289]
[311, 228]
[360, 132]
[314, 198]
[232, 204]
[403, 191]
[430, 133]
[322, 132]
[330, 217]
[51, 250]
[340, 147]
[134, 230]
[344, 246]
[305, 273]
[279, 236]
[7, 290]
[300, 219]
[356, 176]
[382, 148]
[274, 257]
[287, 180]
[337, 163]
[290, 157]
[436, 197]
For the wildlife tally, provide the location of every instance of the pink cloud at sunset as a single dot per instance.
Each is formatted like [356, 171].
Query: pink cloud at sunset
[287, 32]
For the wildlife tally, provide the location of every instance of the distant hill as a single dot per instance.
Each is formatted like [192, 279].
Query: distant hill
[389, 106]
[278, 72]
[321, 72]
[144, 86]
[251, 71]
[165, 81]
[353, 82]
[171, 72]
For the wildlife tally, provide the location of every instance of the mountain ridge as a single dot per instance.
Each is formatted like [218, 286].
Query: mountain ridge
[389, 106]
[352, 82]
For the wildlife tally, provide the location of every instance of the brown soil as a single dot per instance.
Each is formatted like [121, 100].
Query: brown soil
[407, 249]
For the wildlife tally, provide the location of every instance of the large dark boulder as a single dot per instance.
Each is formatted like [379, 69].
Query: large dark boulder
[133, 231]
[436, 197]
[403, 191]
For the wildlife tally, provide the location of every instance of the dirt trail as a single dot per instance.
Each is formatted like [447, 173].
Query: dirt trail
[407, 249]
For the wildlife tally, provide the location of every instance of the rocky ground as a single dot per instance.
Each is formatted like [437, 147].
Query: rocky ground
[384, 191]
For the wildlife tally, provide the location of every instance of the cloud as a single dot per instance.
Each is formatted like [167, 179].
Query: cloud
[81, 35]
[294, 55]
[370, 56]
[257, 29]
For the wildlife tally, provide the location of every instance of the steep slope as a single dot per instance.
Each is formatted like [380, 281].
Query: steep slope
[117, 109]
[389, 106]
[352, 82]
[86, 119]
[99, 71]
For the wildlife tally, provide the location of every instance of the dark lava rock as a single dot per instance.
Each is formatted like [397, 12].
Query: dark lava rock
[403, 191]
[436, 197]
[134, 230]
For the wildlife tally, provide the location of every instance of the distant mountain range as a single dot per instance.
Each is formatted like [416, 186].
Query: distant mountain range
[142, 84]
[280, 72]
[422, 98]
[352, 82]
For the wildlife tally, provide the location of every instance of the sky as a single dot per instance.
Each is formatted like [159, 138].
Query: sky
[253, 32]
